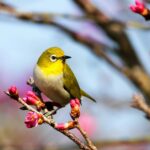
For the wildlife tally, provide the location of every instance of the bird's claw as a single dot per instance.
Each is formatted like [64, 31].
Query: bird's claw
[50, 113]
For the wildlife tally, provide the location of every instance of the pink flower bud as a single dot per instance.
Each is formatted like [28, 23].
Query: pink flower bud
[77, 101]
[13, 91]
[60, 126]
[139, 7]
[75, 108]
[32, 94]
[32, 119]
[32, 99]
[65, 126]
[74, 102]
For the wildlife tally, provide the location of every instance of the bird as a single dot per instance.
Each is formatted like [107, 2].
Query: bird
[55, 79]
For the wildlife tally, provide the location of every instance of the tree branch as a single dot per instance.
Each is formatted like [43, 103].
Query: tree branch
[139, 103]
[51, 122]
[135, 71]
[114, 29]
[62, 127]
[84, 134]
[138, 25]
[136, 74]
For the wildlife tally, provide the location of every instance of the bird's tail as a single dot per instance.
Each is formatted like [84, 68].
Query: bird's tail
[83, 93]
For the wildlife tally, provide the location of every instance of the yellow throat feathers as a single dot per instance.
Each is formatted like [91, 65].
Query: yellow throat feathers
[55, 68]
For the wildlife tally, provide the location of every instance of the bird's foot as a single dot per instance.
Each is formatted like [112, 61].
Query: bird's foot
[52, 112]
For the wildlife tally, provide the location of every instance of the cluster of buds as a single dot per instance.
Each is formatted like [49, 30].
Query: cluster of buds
[32, 99]
[75, 113]
[75, 108]
[33, 119]
[139, 8]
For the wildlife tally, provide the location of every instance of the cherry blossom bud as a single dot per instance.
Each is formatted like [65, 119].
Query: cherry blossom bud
[13, 91]
[32, 99]
[32, 119]
[75, 108]
[139, 8]
[65, 126]
[74, 103]
[77, 101]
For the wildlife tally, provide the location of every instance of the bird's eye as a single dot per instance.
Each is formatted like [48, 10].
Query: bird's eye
[53, 58]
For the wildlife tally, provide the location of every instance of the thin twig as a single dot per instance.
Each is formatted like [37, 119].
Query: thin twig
[138, 25]
[84, 134]
[49, 120]
[52, 123]
[8, 8]
[139, 103]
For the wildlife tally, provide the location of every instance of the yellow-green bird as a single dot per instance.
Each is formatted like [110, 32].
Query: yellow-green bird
[55, 79]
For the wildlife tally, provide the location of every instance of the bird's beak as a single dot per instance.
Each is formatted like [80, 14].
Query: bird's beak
[64, 57]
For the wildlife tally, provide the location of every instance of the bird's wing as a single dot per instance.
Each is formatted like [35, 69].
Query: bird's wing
[70, 83]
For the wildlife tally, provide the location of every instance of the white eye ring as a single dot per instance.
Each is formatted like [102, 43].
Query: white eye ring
[53, 58]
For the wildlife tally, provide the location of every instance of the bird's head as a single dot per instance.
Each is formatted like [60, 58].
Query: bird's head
[52, 59]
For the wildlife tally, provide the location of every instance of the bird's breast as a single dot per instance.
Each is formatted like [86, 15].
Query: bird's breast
[51, 86]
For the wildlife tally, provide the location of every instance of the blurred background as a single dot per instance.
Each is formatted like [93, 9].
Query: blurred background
[111, 119]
